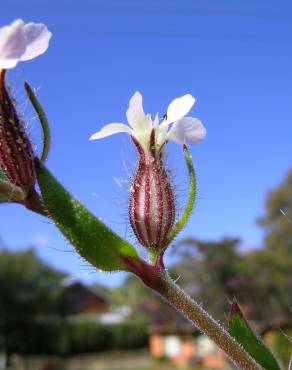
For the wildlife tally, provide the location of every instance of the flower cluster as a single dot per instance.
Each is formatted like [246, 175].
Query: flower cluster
[151, 203]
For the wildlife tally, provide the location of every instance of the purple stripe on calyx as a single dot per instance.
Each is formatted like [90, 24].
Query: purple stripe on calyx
[151, 205]
[16, 153]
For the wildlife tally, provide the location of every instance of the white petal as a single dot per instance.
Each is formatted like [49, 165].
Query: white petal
[135, 114]
[111, 129]
[19, 42]
[37, 38]
[187, 131]
[156, 120]
[179, 107]
[12, 44]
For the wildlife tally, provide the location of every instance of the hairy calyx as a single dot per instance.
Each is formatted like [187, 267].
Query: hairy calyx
[151, 206]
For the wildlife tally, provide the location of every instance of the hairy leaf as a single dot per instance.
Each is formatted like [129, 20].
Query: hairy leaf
[242, 332]
[92, 239]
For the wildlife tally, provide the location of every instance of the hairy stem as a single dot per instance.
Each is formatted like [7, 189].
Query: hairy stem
[161, 283]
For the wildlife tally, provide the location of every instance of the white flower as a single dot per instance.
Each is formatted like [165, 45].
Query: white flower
[174, 126]
[20, 42]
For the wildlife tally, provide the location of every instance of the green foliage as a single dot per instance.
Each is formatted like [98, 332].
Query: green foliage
[27, 285]
[266, 277]
[209, 269]
[54, 336]
[219, 269]
[129, 335]
[29, 292]
[46, 336]
[85, 337]
[281, 343]
[92, 239]
[277, 221]
[242, 332]
[32, 301]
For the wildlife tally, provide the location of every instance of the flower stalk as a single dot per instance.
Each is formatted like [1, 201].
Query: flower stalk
[161, 283]
[184, 304]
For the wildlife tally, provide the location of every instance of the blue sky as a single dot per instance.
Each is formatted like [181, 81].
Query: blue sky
[233, 56]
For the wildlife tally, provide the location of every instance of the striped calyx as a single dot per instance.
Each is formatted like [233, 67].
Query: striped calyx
[16, 153]
[151, 206]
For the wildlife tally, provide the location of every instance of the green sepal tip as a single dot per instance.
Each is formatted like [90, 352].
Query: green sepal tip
[43, 120]
[92, 239]
[191, 197]
[242, 332]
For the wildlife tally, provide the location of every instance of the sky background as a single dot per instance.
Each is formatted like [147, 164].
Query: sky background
[233, 56]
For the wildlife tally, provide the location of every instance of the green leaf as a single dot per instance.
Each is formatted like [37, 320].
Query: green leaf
[92, 239]
[242, 332]
[43, 120]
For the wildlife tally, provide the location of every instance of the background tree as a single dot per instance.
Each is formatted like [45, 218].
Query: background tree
[218, 270]
[209, 271]
[30, 293]
[277, 221]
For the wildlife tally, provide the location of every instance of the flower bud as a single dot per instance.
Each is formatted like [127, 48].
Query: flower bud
[16, 153]
[152, 206]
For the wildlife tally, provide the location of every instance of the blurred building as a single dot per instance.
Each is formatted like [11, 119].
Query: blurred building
[84, 303]
[82, 300]
[173, 338]
[115, 316]
[184, 346]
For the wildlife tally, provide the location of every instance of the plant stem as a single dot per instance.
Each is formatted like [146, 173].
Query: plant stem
[184, 304]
